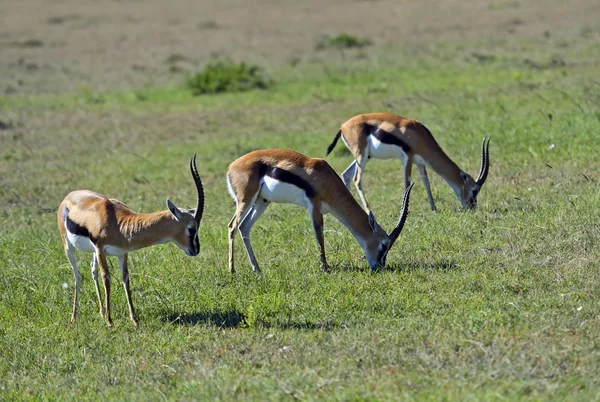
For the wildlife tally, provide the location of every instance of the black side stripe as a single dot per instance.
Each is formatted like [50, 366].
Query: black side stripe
[76, 228]
[385, 137]
[288, 177]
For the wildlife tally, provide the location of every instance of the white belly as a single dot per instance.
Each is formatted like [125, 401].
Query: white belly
[83, 243]
[379, 150]
[277, 191]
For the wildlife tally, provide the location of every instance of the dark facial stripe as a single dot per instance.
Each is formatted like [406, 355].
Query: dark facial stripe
[76, 228]
[288, 177]
[385, 137]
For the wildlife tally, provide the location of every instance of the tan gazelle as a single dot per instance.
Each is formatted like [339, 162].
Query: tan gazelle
[90, 222]
[276, 175]
[386, 135]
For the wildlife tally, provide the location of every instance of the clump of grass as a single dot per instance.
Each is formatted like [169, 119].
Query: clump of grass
[227, 76]
[31, 43]
[343, 41]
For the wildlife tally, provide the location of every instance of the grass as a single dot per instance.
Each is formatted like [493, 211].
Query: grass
[226, 76]
[498, 303]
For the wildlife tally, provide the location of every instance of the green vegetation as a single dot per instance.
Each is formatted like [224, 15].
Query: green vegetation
[342, 41]
[498, 303]
[227, 76]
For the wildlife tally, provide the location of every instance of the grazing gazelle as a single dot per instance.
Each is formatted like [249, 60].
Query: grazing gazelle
[386, 135]
[277, 175]
[90, 222]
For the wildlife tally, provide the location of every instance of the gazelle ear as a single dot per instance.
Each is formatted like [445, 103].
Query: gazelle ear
[464, 177]
[372, 222]
[174, 210]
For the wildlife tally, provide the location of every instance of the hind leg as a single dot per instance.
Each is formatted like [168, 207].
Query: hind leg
[349, 173]
[246, 226]
[94, 268]
[242, 210]
[361, 163]
[106, 280]
[72, 257]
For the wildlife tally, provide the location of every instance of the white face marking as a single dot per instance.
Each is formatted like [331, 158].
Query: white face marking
[379, 150]
[277, 191]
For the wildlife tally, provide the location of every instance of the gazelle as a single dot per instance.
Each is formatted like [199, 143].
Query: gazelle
[275, 175]
[386, 135]
[90, 222]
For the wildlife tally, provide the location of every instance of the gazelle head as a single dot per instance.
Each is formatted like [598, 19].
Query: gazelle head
[380, 244]
[188, 220]
[470, 188]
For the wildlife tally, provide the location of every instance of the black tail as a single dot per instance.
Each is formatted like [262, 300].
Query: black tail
[332, 145]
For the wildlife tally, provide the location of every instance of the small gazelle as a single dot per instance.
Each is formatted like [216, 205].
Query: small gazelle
[90, 222]
[275, 175]
[386, 135]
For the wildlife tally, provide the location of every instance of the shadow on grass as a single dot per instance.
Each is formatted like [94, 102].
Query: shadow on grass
[234, 319]
[221, 319]
[300, 325]
[411, 266]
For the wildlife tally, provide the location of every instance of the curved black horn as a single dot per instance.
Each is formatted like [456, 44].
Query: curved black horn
[199, 189]
[485, 161]
[396, 232]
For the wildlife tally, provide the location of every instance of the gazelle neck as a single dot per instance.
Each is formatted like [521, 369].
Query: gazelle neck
[448, 170]
[143, 230]
[353, 217]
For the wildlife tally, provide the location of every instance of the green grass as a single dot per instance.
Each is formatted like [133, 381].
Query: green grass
[498, 303]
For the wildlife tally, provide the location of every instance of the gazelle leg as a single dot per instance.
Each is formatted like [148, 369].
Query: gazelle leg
[317, 220]
[106, 281]
[70, 252]
[361, 163]
[349, 173]
[246, 226]
[125, 280]
[241, 211]
[407, 172]
[425, 179]
[94, 268]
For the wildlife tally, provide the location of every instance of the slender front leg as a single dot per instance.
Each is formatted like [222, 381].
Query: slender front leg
[317, 219]
[245, 228]
[94, 268]
[425, 179]
[70, 252]
[106, 280]
[125, 280]
[361, 163]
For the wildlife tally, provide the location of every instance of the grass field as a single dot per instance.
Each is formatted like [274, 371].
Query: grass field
[498, 303]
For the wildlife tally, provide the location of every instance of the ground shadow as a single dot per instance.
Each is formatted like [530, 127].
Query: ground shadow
[411, 266]
[439, 265]
[234, 319]
[300, 325]
[221, 319]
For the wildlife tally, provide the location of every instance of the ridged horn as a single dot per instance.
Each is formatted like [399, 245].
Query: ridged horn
[485, 161]
[396, 232]
[199, 189]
